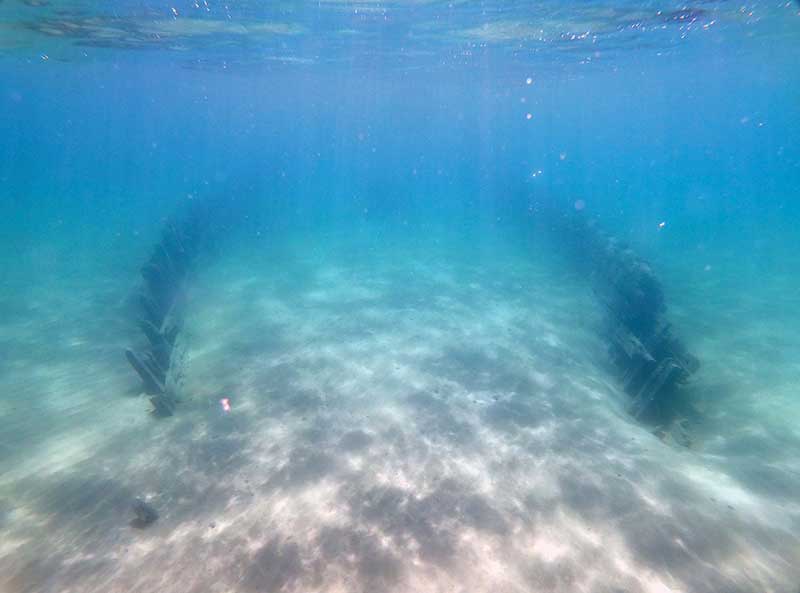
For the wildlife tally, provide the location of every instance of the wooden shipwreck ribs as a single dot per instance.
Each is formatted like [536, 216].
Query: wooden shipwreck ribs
[159, 302]
[653, 363]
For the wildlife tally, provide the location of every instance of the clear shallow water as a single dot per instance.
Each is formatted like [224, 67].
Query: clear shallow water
[422, 398]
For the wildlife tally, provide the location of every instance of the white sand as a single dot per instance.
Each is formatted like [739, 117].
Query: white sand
[403, 420]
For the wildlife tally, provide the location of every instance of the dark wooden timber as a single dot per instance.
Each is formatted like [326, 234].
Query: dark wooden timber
[160, 306]
[652, 361]
[150, 381]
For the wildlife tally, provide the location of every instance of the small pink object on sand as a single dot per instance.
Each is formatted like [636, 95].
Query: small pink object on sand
[226, 404]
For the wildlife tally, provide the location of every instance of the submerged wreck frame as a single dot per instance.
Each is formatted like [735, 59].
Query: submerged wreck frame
[159, 303]
[652, 362]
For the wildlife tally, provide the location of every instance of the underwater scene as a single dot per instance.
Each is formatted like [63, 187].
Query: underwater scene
[436, 296]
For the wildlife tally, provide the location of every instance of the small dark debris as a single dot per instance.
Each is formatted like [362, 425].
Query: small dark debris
[146, 515]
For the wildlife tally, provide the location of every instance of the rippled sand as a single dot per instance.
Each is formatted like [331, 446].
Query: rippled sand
[403, 419]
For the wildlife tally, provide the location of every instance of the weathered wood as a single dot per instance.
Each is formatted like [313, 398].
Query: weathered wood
[151, 383]
[156, 284]
[171, 238]
[158, 369]
[630, 345]
[150, 309]
[159, 363]
[175, 269]
[651, 360]
[660, 380]
[162, 357]
[162, 405]
[170, 331]
[156, 337]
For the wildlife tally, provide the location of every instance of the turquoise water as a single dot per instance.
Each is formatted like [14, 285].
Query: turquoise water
[411, 342]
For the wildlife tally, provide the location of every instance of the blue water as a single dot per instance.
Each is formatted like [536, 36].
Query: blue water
[422, 394]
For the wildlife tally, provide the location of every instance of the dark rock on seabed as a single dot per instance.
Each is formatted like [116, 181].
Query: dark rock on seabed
[146, 515]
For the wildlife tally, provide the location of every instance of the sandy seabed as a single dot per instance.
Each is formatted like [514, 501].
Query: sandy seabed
[402, 420]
